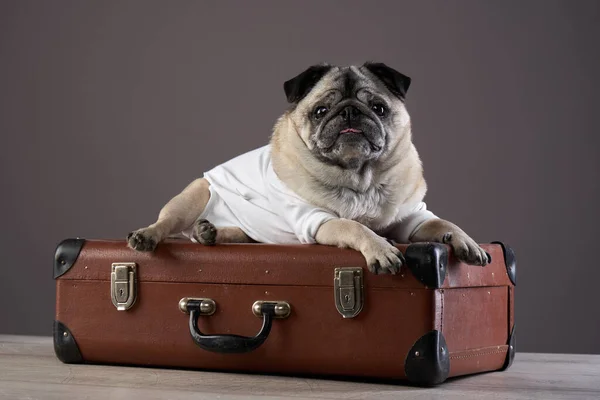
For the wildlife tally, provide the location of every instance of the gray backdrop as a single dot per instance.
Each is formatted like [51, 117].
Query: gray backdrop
[104, 103]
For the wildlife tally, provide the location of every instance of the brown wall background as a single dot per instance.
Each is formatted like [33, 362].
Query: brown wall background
[109, 108]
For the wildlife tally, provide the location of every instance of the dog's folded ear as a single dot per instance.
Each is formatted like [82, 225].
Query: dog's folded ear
[299, 86]
[396, 82]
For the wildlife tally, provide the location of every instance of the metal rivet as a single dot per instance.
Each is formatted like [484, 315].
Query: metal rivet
[412, 293]
[417, 354]
[511, 347]
[206, 307]
[282, 310]
[492, 274]
[468, 275]
[267, 271]
[489, 292]
[183, 305]
[401, 275]
[464, 295]
[65, 334]
[266, 292]
[442, 350]
[63, 262]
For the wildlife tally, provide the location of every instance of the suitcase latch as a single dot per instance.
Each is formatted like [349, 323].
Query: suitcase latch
[123, 291]
[348, 288]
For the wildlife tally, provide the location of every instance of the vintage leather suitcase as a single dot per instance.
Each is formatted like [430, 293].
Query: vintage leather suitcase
[317, 310]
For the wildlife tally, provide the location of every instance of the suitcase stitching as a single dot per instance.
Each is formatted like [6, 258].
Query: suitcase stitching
[476, 354]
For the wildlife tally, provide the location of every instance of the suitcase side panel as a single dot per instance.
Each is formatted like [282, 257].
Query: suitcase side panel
[475, 324]
[475, 318]
[314, 339]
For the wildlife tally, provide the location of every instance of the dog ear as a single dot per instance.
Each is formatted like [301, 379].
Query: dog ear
[299, 86]
[396, 82]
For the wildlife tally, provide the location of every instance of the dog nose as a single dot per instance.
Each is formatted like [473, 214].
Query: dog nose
[350, 113]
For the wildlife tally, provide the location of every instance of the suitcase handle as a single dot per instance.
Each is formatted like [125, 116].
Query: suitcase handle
[227, 343]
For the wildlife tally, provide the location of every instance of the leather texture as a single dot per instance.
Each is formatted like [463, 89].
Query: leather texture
[472, 309]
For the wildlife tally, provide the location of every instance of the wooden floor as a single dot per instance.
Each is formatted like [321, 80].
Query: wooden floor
[30, 370]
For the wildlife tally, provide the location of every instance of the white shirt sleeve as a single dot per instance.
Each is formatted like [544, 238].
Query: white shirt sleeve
[411, 223]
[303, 218]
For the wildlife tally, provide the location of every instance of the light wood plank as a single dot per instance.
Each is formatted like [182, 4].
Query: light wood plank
[30, 370]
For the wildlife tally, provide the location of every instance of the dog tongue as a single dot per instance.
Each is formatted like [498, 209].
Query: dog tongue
[351, 130]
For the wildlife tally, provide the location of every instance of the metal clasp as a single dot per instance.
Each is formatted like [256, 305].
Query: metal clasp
[123, 282]
[348, 290]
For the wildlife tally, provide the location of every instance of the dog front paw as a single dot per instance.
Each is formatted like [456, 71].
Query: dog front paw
[205, 233]
[142, 240]
[382, 257]
[466, 249]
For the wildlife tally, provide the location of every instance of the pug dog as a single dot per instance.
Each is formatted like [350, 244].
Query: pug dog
[340, 169]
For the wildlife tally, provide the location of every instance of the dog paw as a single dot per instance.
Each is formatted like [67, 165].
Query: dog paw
[142, 240]
[205, 233]
[383, 258]
[466, 249]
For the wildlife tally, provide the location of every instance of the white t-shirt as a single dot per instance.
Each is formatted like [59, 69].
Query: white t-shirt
[246, 193]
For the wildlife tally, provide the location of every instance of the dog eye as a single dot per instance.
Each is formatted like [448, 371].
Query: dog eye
[379, 109]
[320, 111]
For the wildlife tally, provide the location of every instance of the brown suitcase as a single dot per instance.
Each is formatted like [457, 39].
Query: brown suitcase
[317, 310]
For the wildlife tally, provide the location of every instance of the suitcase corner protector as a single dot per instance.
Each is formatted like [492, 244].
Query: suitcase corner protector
[428, 262]
[510, 261]
[65, 346]
[428, 361]
[66, 254]
[510, 354]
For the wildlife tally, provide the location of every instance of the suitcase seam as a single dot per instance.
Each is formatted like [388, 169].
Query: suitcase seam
[462, 356]
[442, 316]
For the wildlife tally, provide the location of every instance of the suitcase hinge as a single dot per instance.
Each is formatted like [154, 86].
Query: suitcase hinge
[348, 290]
[123, 281]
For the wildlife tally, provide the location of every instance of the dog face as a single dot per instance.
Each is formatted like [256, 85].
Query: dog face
[348, 116]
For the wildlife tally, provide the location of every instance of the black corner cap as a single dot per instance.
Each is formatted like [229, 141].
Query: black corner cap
[428, 362]
[511, 262]
[427, 262]
[510, 354]
[65, 346]
[66, 254]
